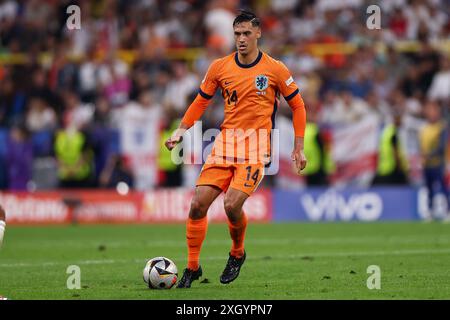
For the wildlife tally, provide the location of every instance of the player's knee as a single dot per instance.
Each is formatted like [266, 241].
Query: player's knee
[198, 210]
[232, 208]
[2, 214]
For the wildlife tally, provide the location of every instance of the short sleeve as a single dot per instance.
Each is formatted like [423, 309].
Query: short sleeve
[209, 83]
[286, 84]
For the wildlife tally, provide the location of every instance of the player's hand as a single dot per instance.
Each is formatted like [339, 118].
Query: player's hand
[299, 158]
[173, 141]
[177, 137]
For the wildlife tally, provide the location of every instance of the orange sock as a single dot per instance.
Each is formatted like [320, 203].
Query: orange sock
[195, 234]
[237, 233]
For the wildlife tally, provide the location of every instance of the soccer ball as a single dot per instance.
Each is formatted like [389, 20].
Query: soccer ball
[160, 273]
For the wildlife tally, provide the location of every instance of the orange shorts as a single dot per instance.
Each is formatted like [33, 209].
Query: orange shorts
[241, 176]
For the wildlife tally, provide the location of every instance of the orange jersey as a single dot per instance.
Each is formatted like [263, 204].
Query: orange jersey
[251, 93]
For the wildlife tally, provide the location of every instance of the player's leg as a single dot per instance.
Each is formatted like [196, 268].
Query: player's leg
[237, 224]
[196, 228]
[2, 224]
[197, 223]
[245, 181]
[237, 220]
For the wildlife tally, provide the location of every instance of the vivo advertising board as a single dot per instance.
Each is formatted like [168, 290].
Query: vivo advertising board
[321, 204]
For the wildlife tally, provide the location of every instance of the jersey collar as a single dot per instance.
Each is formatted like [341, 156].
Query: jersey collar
[248, 65]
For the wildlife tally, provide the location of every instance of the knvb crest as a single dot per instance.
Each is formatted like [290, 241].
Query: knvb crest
[261, 82]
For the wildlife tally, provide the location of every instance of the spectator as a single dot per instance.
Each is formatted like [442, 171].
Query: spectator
[379, 107]
[88, 77]
[305, 27]
[392, 165]
[411, 84]
[139, 125]
[394, 62]
[417, 13]
[383, 84]
[314, 150]
[178, 89]
[219, 19]
[426, 61]
[433, 145]
[102, 135]
[359, 84]
[398, 23]
[345, 109]
[76, 115]
[40, 88]
[114, 80]
[440, 86]
[436, 22]
[40, 116]
[115, 172]
[74, 158]
[171, 173]
[19, 159]
[9, 98]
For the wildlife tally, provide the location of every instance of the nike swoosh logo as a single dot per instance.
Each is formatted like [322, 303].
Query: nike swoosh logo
[227, 82]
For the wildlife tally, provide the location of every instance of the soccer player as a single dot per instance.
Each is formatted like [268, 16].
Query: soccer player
[2, 224]
[250, 81]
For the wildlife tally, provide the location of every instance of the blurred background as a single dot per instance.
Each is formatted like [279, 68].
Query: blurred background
[91, 108]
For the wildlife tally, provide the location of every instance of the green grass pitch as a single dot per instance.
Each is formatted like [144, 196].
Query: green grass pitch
[284, 261]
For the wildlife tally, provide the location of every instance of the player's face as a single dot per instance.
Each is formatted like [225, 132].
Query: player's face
[246, 37]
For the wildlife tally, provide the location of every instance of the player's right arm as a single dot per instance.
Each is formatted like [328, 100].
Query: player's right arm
[207, 89]
[288, 88]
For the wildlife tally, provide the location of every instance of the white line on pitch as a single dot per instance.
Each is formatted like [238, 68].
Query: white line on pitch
[223, 257]
[275, 241]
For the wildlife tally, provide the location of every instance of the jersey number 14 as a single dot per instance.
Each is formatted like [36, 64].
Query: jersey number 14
[231, 98]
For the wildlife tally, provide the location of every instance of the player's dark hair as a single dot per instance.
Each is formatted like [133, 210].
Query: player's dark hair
[246, 16]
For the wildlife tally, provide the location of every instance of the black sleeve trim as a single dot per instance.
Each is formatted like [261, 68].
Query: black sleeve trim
[204, 95]
[293, 94]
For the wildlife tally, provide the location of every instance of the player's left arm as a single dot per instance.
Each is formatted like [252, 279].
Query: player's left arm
[290, 92]
[207, 89]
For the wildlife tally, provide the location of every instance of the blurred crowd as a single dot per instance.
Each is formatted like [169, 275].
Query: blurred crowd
[64, 93]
